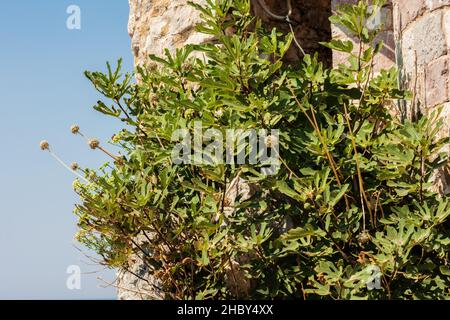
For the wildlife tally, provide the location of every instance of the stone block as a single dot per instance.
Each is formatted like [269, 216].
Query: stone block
[437, 81]
[425, 40]
[446, 27]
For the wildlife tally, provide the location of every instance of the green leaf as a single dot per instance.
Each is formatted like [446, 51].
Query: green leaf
[339, 45]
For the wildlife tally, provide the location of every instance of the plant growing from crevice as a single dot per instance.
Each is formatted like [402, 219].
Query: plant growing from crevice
[353, 195]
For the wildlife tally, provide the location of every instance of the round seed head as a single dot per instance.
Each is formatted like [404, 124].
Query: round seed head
[364, 237]
[94, 143]
[271, 141]
[44, 145]
[75, 129]
[74, 166]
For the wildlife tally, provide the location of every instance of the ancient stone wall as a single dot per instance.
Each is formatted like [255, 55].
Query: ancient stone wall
[422, 32]
[416, 37]
[155, 25]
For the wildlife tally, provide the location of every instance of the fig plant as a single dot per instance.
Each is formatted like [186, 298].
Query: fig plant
[350, 214]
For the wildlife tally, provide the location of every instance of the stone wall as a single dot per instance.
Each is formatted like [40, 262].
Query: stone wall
[158, 24]
[422, 32]
[155, 25]
[416, 37]
[423, 36]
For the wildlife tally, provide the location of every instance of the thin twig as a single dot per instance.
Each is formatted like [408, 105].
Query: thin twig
[67, 167]
[297, 43]
[285, 18]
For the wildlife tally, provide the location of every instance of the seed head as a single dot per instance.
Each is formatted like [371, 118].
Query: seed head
[364, 237]
[94, 143]
[271, 141]
[44, 145]
[75, 129]
[153, 98]
[74, 166]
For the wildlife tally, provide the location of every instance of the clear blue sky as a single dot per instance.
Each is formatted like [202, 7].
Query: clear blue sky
[42, 92]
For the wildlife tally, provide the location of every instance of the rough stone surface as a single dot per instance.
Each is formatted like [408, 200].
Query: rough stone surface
[422, 31]
[131, 287]
[446, 26]
[412, 9]
[424, 41]
[437, 81]
[155, 25]
[158, 24]
[137, 282]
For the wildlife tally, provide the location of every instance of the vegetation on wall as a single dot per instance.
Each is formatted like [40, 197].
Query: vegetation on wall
[350, 214]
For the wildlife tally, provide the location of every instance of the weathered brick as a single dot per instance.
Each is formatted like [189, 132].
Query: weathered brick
[409, 10]
[436, 4]
[426, 37]
[437, 81]
[446, 27]
[446, 116]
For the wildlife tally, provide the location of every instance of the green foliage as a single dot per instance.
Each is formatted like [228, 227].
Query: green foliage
[354, 190]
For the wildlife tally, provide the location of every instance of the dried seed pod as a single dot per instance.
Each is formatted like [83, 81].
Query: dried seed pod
[75, 129]
[74, 166]
[94, 143]
[44, 145]
[364, 237]
[271, 141]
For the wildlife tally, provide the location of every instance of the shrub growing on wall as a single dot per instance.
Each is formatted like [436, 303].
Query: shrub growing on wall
[350, 213]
